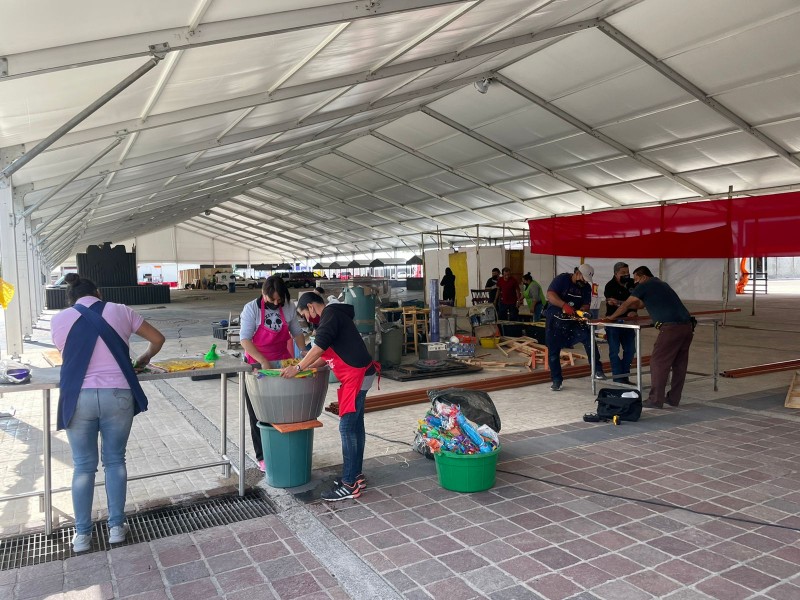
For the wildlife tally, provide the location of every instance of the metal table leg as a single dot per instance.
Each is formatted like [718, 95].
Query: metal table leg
[716, 353]
[223, 422]
[592, 359]
[241, 433]
[639, 359]
[48, 479]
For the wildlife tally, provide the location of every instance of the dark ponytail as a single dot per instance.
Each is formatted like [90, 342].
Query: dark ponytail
[527, 276]
[79, 287]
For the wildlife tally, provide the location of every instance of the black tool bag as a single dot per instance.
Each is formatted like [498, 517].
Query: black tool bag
[610, 403]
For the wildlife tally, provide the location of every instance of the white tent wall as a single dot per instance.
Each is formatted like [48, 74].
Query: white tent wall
[540, 266]
[692, 279]
[179, 245]
[480, 265]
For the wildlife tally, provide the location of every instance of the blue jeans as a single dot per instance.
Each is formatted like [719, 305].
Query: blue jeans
[351, 428]
[560, 334]
[626, 338]
[109, 413]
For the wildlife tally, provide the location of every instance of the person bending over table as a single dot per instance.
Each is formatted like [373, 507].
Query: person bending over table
[99, 396]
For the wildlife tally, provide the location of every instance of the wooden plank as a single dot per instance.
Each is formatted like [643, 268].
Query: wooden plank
[793, 395]
[786, 365]
[300, 426]
[53, 357]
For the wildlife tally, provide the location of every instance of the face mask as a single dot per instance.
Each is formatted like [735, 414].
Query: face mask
[272, 306]
[625, 279]
[314, 320]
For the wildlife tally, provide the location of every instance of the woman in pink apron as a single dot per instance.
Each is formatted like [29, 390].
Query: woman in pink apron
[267, 330]
[338, 342]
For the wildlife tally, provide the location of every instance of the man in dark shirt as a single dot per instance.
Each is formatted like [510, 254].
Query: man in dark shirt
[567, 293]
[616, 292]
[675, 332]
[509, 296]
[491, 284]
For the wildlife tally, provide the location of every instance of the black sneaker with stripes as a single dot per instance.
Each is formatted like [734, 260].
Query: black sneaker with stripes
[361, 481]
[341, 491]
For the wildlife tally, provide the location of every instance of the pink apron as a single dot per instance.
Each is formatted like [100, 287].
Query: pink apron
[272, 344]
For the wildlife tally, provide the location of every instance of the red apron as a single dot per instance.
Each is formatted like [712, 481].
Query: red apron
[351, 379]
[272, 344]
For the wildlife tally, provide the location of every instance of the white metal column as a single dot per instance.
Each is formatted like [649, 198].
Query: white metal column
[8, 255]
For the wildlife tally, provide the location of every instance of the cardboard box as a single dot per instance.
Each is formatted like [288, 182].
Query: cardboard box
[433, 351]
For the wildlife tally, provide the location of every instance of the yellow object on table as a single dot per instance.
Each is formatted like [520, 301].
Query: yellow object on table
[174, 365]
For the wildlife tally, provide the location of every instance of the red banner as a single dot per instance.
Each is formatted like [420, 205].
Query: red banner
[755, 226]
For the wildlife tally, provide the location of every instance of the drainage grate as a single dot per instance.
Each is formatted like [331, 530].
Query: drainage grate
[35, 548]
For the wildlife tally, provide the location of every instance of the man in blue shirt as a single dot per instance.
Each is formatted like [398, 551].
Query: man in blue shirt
[567, 293]
[675, 332]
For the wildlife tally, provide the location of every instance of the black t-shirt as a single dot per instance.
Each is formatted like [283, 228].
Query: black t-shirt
[492, 283]
[338, 331]
[618, 291]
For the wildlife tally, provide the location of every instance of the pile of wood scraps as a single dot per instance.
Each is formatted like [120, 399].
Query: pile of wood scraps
[538, 352]
[495, 365]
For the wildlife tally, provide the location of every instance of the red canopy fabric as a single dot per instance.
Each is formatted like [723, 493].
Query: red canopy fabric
[755, 226]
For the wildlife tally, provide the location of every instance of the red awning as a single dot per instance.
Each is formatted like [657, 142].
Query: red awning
[755, 226]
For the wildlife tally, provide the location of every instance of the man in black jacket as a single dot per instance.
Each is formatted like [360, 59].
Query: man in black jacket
[338, 342]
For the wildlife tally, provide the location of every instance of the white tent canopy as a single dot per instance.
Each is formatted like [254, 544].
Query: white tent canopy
[310, 128]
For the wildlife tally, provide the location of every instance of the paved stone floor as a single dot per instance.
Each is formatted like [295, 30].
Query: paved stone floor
[696, 502]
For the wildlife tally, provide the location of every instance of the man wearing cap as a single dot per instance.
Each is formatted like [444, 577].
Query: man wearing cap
[675, 332]
[566, 294]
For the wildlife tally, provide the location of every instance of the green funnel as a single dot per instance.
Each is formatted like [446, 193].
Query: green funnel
[211, 355]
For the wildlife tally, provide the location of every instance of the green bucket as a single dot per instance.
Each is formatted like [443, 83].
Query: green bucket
[287, 456]
[466, 472]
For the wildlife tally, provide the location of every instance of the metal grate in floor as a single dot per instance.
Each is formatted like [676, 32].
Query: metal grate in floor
[35, 548]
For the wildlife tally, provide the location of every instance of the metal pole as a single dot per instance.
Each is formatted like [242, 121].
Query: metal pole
[223, 422]
[158, 55]
[61, 213]
[639, 360]
[591, 350]
[716, 354]
[241, 433]
[754, 278]
[72, 177]
[48, 480]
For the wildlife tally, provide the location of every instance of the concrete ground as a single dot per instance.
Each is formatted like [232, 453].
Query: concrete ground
[695, 502]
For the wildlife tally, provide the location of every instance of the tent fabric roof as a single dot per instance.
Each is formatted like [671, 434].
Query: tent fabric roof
[324, 127]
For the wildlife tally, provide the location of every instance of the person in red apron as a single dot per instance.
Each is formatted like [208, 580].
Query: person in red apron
[267, 328]
[339, 343]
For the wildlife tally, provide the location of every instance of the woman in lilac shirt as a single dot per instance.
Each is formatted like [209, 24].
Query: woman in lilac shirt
[99, 395]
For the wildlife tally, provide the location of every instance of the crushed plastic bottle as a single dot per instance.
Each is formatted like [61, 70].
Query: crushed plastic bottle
[12, 371]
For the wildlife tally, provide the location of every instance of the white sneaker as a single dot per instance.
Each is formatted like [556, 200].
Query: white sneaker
[118, 534]
[82, 542]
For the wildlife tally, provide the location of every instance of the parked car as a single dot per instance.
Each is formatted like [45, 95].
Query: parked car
[298, 279]
[224, 278]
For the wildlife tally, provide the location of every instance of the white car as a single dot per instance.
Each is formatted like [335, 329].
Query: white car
[224, 279]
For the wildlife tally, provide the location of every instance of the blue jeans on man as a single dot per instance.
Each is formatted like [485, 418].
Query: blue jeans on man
[353, 434]
[107, 413]
[626, 338]
[560, 334]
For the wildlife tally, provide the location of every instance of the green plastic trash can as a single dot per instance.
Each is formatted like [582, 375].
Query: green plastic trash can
[287, 456]
[466, 472]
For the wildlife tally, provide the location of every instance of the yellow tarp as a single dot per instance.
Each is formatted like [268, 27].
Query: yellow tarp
[6, 293]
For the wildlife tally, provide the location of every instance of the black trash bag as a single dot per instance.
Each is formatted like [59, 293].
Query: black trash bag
[475, 405]
[419, 445]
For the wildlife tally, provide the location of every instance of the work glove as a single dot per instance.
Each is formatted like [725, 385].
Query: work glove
[568, 310]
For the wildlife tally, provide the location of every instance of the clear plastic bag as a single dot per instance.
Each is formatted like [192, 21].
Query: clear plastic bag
[12, 371]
